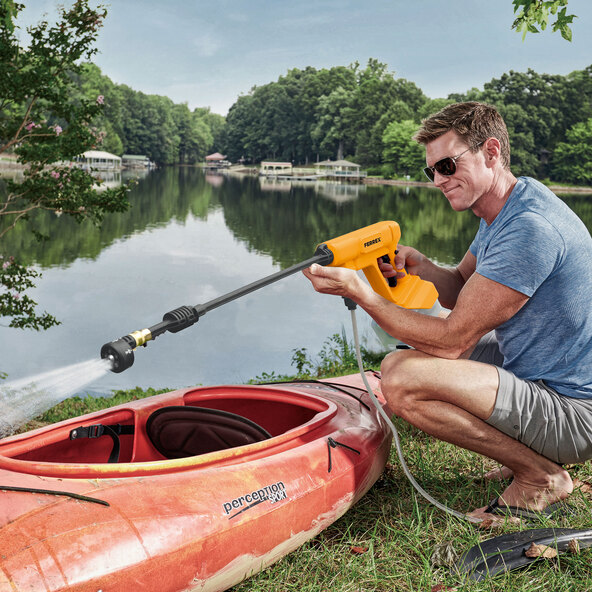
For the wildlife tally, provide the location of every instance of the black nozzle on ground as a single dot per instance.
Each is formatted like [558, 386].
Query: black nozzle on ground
[120, 353]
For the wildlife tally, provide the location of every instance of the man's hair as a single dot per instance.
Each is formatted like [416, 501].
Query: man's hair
[474, 122]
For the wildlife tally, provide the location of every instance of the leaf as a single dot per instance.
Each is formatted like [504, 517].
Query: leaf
[584, 486]
[440, 587]
[574, 546]
[444, 554]
[566, 33]
[496, 523]
[540, 551]
[358, 550]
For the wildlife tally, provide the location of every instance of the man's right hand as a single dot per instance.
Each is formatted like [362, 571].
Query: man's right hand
[406, 258]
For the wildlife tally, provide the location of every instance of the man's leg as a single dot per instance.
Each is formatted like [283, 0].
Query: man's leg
[450, 400]
[486, 350]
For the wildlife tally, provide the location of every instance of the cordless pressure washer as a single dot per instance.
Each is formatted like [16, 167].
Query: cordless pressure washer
[358, 250]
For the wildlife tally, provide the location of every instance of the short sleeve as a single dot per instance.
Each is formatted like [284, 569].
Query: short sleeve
[524, 253]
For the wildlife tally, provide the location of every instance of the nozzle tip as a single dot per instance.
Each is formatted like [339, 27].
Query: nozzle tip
[119, 353]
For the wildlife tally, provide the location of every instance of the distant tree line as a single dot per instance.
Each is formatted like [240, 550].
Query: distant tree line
[136, 123]
[362, 113]
[369, 115]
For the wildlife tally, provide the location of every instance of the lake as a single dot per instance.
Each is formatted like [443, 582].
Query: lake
[191, 237]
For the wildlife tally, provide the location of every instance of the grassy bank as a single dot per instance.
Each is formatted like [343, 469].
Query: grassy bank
[387, 541]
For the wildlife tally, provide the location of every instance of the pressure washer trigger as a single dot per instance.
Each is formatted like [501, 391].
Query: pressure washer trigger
[392, 281]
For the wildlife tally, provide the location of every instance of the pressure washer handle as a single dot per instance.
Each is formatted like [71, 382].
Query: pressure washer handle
[361, 250]
[392, 281]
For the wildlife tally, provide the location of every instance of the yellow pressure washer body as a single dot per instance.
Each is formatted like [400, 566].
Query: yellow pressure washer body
[361, 249]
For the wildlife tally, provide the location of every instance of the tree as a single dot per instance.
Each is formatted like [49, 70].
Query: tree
[46, 125]
[524, 158]
[532, 14]
[572, 160]
[406, 156]
[331, 134]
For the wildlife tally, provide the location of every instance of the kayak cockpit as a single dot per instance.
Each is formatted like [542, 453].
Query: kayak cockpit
[194, 426]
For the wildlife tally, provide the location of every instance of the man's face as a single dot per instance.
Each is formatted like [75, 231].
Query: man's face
[472, 178]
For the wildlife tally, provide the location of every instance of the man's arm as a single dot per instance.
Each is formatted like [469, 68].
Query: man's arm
[481, 305]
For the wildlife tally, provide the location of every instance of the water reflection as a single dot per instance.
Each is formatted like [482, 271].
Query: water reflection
[279, 218]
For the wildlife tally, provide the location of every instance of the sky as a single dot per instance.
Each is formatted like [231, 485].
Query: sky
[208, 53]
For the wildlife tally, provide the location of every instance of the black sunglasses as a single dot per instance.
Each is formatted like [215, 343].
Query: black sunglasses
[446, 166]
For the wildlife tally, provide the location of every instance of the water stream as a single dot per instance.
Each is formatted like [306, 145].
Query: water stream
[24, 399]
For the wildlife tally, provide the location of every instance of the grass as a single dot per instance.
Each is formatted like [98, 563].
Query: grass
[387, 541]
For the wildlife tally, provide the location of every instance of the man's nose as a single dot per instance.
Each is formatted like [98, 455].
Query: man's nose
[440, 180]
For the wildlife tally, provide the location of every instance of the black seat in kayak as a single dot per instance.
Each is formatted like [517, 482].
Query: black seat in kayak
[181, 431]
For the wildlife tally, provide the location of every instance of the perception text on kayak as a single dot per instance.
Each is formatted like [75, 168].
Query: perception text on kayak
[272, 493]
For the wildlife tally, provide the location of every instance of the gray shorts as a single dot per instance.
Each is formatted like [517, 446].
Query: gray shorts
[553, 425]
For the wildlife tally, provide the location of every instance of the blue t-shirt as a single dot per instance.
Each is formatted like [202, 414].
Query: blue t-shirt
[539, 247]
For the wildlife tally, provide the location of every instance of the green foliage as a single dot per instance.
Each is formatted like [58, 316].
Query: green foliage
[572, 159]
[401, 151]
[337, 357]
[538, 109]
[318, 114]
[76, 406]
[16, 305]
[532, 14]
[45, 123]
[135, 123]
[349, 110]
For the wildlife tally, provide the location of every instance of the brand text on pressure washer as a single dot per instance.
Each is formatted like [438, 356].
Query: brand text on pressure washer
[372, 242]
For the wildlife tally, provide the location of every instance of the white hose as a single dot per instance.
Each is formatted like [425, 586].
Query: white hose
[381, 411]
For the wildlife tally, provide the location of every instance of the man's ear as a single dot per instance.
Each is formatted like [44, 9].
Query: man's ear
[493, 151]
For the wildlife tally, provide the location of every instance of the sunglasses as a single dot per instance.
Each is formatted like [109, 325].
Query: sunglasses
[446, 166]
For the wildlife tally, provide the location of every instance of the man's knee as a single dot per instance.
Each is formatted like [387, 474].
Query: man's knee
[400, 367]
[399, 372]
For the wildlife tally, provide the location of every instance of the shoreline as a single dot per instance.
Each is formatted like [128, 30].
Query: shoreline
[9, 164]
[554, 188]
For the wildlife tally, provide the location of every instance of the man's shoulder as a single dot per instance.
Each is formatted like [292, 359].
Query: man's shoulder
[529, 188]
[534, 198]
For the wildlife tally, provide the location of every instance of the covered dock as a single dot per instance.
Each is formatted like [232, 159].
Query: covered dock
[216, 161]
[339, 169]
[275, 169]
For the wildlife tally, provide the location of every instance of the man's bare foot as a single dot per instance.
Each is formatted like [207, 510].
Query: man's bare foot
[533, 494]
[528, 493]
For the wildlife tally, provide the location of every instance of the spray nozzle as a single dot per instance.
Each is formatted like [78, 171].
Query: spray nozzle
[120, 353]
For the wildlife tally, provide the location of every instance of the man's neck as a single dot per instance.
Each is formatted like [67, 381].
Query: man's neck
[490, 204]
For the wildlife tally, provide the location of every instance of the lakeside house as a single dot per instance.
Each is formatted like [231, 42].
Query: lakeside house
[339, 169]
[98, 160]
[216, 161]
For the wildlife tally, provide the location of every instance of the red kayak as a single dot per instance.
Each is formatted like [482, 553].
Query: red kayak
[196, 489]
